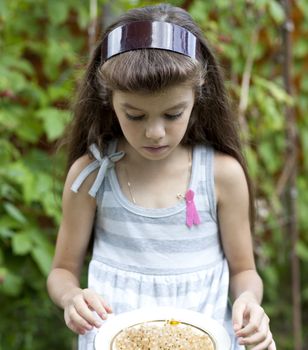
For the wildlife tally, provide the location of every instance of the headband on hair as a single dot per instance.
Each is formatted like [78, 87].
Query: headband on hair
[150, 35]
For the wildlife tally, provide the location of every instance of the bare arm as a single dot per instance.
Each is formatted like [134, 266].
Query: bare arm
[250, 321]
[233, 214]
[73, 238]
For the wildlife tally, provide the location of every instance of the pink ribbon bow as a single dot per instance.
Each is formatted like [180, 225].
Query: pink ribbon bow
[192, 216]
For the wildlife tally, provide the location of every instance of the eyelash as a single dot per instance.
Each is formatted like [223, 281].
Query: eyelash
[167, 116]
[173, 116]
[134, 118]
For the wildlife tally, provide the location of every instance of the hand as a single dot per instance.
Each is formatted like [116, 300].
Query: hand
[79, 305]
[251, 324]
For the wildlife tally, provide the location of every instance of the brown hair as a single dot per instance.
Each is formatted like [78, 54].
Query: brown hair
[149, 70]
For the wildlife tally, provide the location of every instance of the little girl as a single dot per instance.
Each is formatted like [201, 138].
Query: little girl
[156, 176]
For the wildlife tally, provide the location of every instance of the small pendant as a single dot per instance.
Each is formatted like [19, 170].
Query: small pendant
[192, 215]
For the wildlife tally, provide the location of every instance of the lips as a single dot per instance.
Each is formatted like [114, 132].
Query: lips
[155, 149]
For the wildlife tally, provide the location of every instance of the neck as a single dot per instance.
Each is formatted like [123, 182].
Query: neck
[151, 183]
[135, 160]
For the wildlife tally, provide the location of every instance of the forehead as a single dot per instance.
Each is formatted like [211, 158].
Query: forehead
[164, 99]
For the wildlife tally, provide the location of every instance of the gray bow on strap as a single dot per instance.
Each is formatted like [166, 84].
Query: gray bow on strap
[102, 163]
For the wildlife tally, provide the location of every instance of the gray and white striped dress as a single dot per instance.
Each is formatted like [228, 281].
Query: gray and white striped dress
[149, 257]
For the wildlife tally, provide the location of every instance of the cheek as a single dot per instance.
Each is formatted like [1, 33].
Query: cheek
[129, 129]
[123, 123]
[181, 125]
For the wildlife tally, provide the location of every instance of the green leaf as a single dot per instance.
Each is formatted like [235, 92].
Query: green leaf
[6, 232]
[29, 130]
[12, 80]
[12, 283]
[268, 156]
[1, 260]
[14, 212]
[304, 140]
[270, 274]
[3, 274]
[251, 161]
[54, 121]
[43, 259]
[7, 152]
[303, 5]
[3, 11]
[304, 293]
[9, 118]
[276, 11]
[83, 17]
[302, 251]
[300, 49]
[60, 91]
[12, 61]
[21, 243]
[275, 90]
[57, 11]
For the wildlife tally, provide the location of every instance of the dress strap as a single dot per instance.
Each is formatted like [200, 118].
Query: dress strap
[210, 181]
[103, 163]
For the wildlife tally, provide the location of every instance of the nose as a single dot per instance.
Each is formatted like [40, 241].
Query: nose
[155, 130]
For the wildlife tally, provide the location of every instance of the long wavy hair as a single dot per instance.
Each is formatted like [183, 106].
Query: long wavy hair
[150, 70]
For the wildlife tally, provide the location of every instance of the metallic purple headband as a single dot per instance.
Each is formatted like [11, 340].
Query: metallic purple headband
[148, 34]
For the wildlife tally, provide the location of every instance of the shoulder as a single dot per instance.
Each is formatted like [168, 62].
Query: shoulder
[77, 167]
[79, 164]
[227, 169]
[229, 175]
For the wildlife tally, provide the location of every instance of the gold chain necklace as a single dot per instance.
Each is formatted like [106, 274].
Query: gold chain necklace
[179, 196]
[129, 187]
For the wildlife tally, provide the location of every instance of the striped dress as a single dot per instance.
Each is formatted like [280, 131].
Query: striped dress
[149, 257]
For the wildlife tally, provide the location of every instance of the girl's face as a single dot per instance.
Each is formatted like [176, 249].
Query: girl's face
[154, 124]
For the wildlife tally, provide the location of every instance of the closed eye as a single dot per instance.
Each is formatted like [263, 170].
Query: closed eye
[134, 117]
[166, 116]
[173, 116]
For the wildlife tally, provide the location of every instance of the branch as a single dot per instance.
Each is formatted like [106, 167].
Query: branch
[285, 176]
[291, 190]
[186, 5]
[92, 26]
[245, 86]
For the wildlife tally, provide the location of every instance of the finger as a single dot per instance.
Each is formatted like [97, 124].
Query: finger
[254, 339]
[97, 303]
[75, 322]
[107, 307]
[272, 345]
[76, 329]
[257, 337]
[83, 310]
[265, 344]
[237, 315]
[256, 317]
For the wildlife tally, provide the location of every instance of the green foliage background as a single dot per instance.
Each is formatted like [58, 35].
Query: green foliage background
[43, 45]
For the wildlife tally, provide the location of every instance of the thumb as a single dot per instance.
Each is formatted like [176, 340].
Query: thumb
[238, 310]
[272, 345]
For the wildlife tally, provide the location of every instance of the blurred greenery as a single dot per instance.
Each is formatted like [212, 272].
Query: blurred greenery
[43, 47]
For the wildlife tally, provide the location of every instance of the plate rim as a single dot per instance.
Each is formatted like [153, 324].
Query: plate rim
[115, 323]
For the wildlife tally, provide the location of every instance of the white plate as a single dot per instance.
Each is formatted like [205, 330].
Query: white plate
[115, 324]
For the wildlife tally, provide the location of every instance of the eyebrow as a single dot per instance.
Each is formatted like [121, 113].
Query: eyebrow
[179, 105]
